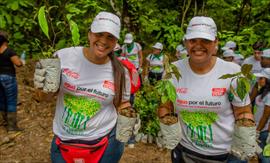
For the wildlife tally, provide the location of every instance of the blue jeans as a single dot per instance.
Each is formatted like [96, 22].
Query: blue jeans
[8, 93]
[112, 154]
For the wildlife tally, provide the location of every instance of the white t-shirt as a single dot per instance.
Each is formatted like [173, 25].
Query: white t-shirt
[133, 55]
[260, 104]
[156, 63]
[84, 108]
[256, 64]
[206, 115]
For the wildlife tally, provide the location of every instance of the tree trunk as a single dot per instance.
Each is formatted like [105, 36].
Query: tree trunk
[184, 14]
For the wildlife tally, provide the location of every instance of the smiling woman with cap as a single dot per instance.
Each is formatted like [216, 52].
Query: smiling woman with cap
[155, 62]
[211, 122]
[93, 85]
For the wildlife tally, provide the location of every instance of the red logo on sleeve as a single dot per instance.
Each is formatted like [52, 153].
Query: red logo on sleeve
[218, 91]
[181, 90]
[108, 84]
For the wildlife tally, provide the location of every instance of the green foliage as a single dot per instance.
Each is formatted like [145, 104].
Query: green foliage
[42, 21]
[146, 103]
[149, 97]
[243, 80]
[150, 21]
[199, 118]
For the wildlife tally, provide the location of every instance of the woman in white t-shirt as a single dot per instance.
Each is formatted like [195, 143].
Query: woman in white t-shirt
[214, 122]
[93, 84]
[262, 110]
[155, 62]
[133, 51]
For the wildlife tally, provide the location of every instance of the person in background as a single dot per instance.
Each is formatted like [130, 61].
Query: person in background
[8, 84]
[212, 124]
[117, 50]
[265, 63]
[232, 45]
[155, 62]
[94, 84]
[265, 58]
[255, 59]
[262, 110]
[228, 55]
[181, 52]
[133, 51]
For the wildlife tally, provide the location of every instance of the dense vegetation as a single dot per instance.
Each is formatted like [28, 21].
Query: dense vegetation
[244, 21]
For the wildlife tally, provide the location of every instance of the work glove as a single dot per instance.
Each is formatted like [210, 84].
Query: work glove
[171, 134]
[244, 145]
[47, 74]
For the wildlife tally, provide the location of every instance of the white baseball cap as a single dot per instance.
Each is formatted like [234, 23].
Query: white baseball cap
[229, 53]
[266, 53]
[158, 45]
[201, 27]
[229, 45]
[264, 73]
[180, 48]
[128, 38]
[106, 22]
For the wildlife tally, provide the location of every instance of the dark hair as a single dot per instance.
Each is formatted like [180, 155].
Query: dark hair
[3, 39]
[258, 45]
[265, 89]
[119, 79]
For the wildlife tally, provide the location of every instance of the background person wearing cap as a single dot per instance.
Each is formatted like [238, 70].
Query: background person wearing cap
[262, 111]
[228, 55]
[255, 59]
[133, 51]
[8, 85]
[265, 58]
[155, 63]
[232, 46]
[181, 52]
[209, 120]
[265, 63]
[94, 83]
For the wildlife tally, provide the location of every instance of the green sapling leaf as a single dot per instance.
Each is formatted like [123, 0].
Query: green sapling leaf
[42, 21]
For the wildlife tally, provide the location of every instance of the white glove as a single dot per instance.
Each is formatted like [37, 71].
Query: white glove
[47, 75]
[124, 128]
[171, 134]
[244, 145]
[137, 125]
[268, 138]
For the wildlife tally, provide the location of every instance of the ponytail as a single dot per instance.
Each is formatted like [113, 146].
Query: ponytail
[119, 79]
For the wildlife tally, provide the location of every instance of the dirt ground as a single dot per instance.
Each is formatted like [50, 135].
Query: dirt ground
[32, 145]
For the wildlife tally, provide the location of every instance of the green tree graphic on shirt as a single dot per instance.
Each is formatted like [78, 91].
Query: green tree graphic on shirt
[79, 110]
[199, 123]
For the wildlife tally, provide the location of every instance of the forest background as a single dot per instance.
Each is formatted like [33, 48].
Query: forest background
[243, 21]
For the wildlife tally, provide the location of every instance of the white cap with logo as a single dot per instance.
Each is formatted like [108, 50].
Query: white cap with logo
[229, 53]
[229, 45]
[128, 38]
[266, 53]
[158, 45]
[201, 27]
[264, 73]
[106, 22]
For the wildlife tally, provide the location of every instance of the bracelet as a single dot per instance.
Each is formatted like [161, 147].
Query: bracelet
[248, 116]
